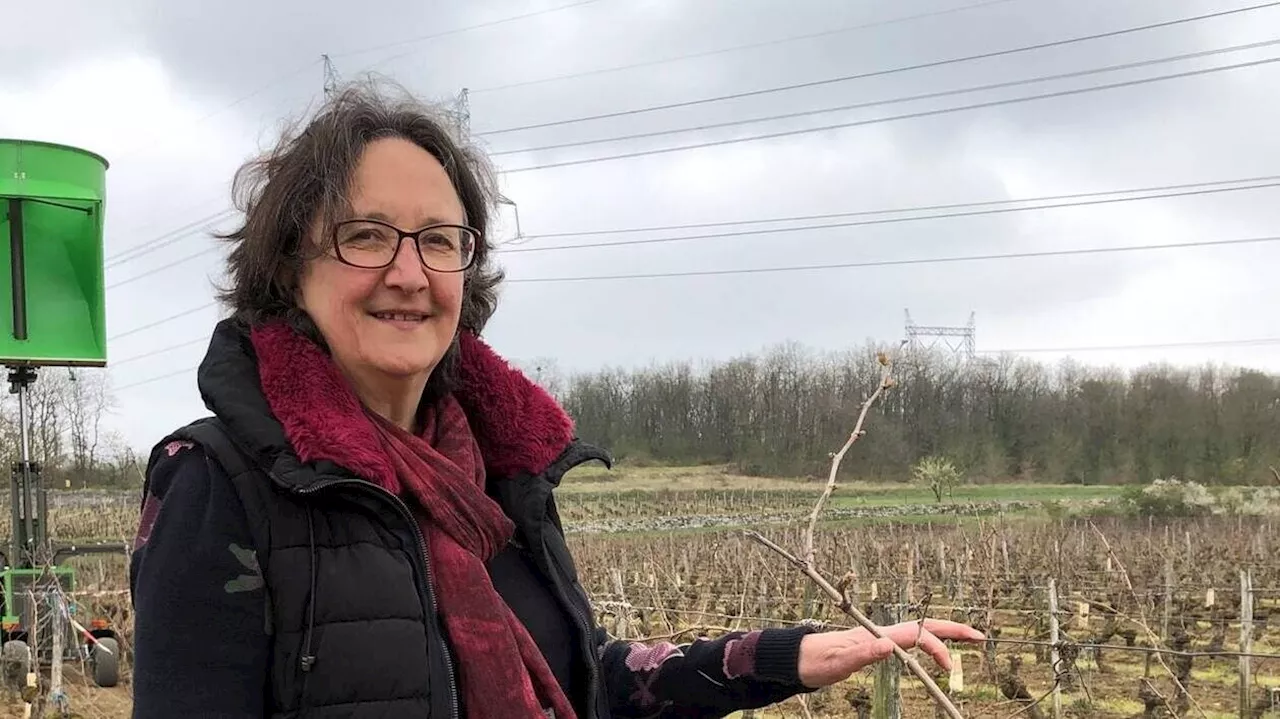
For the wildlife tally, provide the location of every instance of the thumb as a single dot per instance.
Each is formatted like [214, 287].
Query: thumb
[881, 649]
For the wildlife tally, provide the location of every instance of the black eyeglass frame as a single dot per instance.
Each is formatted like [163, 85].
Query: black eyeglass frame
[401, 236]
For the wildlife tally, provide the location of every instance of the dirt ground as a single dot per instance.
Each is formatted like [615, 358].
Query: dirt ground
[1114, 693]
[85, 700]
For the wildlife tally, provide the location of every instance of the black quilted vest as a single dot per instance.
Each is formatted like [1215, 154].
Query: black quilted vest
[355, 633]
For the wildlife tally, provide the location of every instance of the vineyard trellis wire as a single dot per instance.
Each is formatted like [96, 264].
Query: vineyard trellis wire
[717, 578]
[612, 610]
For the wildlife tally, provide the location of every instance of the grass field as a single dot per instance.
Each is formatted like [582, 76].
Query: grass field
[592, 479]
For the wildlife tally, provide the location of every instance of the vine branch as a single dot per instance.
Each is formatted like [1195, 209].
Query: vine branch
[1142, 624]
[806, 564]
[886, 382]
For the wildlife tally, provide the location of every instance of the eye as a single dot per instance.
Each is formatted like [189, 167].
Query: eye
[362, 234]
[439, 239]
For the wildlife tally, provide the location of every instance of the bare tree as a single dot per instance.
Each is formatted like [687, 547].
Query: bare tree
[777, 412]
[85, 401]
[9, 437]
[119, 465]
[48, 419]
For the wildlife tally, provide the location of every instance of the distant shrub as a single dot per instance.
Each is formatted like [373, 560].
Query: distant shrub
[1169, 498]
[1177, 498]
[938, 474]
[1253, 501]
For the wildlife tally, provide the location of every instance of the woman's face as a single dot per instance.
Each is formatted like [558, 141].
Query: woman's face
[398, 321]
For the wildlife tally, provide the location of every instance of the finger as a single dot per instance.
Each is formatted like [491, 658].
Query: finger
[864, 654]
[934, 647]
[953, 631]
[906, 634]
[925, 635]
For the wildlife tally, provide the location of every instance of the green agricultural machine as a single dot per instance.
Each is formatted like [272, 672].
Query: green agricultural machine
[52, 200]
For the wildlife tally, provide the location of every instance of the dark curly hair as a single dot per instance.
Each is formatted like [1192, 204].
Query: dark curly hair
[305, 179]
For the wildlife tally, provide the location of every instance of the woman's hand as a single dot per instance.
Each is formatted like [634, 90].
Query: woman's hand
[830, 657]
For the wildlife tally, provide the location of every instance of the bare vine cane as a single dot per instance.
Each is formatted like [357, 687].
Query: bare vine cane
[806, 564]
[1145, 627]
[886, 382]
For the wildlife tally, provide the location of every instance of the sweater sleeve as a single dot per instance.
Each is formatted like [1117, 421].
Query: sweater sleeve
[702, 679]
[201, 632]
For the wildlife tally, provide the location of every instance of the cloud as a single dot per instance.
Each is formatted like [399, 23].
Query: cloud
[178, 95]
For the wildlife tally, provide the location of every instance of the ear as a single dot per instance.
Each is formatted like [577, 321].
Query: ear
[287, 285]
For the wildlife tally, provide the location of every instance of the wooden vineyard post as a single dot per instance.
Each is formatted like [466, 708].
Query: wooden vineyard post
[885, 700]
[808, 599]
[1246, 640]
[762, 601]
[942, 564]
[621, 628]
[33, 672]
[55, 670]
[1055, 657]
[911, 554]
[1168, 599]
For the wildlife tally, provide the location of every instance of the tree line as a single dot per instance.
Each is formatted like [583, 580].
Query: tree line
[67, 433]
[781, 412]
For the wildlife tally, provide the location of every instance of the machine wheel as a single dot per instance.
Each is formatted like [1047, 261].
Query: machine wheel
[16, 657]
[106, 664]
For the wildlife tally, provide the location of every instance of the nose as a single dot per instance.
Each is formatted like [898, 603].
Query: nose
[406, 271]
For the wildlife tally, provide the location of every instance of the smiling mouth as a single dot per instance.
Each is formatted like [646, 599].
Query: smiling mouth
[401, 316]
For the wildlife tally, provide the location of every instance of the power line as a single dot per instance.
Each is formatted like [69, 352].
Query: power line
[921, 208]
[880, 73]
[167, 265]
[329, 57]
[767, 270]
[893, 263]
[135, 252]
[157, 378]
[907, 116]
[208, 221]
[204, 222]
[748, 46]
[326, 60]
[896, 100]
[154, 225]
[162, 350]
[158, 322]
[168, 238]
[455, 31]
[881, 220]
[1244, 342]
[1157, 192]
[239, 100]
[1122, 348]
[301, 69]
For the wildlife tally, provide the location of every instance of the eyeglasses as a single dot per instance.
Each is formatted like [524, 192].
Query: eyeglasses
[372, 244]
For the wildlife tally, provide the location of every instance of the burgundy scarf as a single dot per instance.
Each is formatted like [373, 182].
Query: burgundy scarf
[441, 475]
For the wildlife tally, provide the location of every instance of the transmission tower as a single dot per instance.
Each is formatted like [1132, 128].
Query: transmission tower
[461, 113]
[961, 341]
[330, 76]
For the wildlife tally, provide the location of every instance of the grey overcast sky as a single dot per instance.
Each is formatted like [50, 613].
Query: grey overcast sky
[177, 95]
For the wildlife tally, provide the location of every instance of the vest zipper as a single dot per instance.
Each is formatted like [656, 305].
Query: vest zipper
[585, 625]
[422, 556]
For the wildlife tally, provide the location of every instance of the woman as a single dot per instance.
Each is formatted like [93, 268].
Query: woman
[366, 528]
